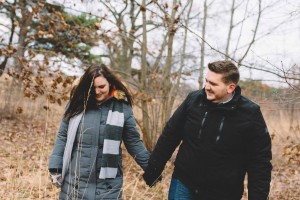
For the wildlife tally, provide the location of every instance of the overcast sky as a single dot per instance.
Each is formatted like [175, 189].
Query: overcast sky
[278, 34]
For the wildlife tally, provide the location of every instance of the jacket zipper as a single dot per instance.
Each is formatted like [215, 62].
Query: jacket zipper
[220, 129]
[202, 123]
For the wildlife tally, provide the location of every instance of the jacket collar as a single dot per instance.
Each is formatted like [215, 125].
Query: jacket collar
[115, 94]
[230, 105]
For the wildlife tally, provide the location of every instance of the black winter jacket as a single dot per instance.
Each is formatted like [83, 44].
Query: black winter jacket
[220, 143]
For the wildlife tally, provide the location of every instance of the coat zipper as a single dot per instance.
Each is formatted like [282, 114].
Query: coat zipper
[202, 123]
[220, 129]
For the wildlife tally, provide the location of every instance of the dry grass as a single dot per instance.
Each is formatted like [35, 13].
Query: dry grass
[284, 127]
[28, 131]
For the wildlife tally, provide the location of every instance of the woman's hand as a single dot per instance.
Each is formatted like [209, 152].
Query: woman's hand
[56, 179]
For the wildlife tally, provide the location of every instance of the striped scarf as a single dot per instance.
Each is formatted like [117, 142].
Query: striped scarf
[112, 140]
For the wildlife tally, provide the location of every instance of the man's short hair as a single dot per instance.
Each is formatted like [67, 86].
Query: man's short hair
[229, 71]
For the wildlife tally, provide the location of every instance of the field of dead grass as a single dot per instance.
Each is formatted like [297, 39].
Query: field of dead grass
[28, 130]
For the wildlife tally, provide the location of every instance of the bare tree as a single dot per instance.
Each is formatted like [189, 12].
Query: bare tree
[24, 23]
[254, 34]
[230, 29]
[121, 58]
[167, 71]
[10, 8]
[202, 51]
[123, 44]
[178, 74]
[144, 67]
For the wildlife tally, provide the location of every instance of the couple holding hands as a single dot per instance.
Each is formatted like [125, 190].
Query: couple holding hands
[222, 137]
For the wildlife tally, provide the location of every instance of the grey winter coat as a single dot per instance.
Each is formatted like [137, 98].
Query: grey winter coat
[82, 177]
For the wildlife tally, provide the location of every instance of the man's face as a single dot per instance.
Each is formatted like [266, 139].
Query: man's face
[216, 90]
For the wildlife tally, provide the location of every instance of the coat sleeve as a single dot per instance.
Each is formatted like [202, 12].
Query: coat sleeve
[259, 157]
[167, 143]
[56, 157]
[132, 140]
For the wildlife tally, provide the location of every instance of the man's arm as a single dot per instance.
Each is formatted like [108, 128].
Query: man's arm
[259, 157]
[167, 143]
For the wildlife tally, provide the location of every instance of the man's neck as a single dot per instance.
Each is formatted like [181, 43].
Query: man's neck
[227, 99]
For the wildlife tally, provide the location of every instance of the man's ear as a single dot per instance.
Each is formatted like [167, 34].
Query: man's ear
[231, 87]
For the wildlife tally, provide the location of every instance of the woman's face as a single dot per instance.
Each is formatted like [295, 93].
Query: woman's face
[101, 87]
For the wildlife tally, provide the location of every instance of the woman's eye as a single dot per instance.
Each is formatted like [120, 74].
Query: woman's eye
[100, 87]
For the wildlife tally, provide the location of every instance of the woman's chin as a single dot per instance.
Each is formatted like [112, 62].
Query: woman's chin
[99, 100]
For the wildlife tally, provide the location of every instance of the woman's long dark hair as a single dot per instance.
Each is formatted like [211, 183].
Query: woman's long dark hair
[83, 96]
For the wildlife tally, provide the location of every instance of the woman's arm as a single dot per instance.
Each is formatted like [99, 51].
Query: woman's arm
[132, 140]
[56, 157]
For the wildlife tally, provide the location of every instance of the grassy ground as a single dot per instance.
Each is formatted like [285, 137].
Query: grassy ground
[28, 130]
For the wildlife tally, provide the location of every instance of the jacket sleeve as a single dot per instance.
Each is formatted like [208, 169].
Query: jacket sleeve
[132, 140]
[56, 157]
[259, 157]
[167, 143]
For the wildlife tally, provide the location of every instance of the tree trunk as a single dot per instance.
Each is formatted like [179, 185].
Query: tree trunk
[12, 32]
[202, 51]
[230, 30]
[182, 58]
[166, 109]
[24, 24]
[145, 111]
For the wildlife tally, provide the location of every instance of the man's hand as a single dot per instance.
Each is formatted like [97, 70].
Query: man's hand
[56, 179]
[152, 175]
[150, 181]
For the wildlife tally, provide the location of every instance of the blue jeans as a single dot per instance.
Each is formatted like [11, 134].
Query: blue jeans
[178, 191]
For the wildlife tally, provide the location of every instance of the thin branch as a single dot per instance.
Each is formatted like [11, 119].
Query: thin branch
[230, 28]
[242, 26]
[254, 34]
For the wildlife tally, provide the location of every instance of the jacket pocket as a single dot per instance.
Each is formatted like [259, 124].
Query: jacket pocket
[109, 188]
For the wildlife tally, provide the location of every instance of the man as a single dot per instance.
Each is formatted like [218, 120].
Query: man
[222, 136]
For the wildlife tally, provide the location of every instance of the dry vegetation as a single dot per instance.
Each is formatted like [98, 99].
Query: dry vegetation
[28, 130]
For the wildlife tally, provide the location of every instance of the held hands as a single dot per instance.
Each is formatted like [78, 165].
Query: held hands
[150, 181]
[56, 179]
[152, 175]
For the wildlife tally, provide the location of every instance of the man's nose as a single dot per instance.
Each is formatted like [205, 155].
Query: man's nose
[207, 86]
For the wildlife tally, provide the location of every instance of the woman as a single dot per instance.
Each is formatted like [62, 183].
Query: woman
[86, 161]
